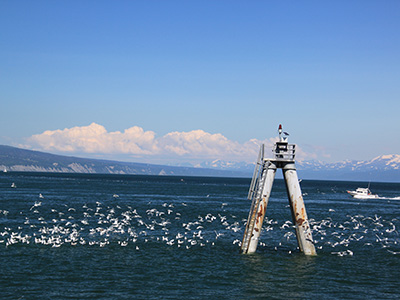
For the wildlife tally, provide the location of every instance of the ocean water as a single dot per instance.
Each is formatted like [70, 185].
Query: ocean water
[163, 237]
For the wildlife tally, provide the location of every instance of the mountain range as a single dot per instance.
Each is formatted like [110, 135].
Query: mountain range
[384, 168]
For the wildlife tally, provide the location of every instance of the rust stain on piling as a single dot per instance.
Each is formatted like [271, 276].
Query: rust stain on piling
[302, 218]
[260, 213]
[299, 216]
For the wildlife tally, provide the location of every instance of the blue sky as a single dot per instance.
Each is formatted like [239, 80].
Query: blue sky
[173, 81]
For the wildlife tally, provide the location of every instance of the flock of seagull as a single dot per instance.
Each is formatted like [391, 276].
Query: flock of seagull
[177, 225]
[104, 225]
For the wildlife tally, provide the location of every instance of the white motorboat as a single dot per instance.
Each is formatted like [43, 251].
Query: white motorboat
[363, 193]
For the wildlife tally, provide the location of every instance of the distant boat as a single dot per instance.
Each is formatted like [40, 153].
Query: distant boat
[363, 193]
[13, 185]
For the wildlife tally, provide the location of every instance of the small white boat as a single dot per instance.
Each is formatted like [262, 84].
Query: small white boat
[363, 193]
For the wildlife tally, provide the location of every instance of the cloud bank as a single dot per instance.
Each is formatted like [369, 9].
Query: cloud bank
[138, 143]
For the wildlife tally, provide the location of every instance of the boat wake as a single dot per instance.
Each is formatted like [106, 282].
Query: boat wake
[389, 198]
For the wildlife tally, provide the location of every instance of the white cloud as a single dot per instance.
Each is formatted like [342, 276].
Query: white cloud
[198, 143]
[95, 139]
[134, 141]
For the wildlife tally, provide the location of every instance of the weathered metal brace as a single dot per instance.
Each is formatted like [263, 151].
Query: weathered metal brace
[260, 190]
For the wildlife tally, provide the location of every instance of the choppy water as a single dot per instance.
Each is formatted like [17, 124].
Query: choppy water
[150, 237]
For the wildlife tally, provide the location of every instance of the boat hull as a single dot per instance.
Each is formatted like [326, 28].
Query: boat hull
[358, 195]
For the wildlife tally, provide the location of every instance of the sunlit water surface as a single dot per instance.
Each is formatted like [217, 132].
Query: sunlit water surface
[159, 237]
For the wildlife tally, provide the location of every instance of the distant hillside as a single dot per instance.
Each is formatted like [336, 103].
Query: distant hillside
[16, 159]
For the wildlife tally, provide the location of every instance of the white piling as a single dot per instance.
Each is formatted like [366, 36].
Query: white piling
[299, 214]
[262, 208]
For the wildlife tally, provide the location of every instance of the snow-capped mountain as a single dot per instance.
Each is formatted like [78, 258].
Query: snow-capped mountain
[380, 163]
[226, 165]
[381, 168]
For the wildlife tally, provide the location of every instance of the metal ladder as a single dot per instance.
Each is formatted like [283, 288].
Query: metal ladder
[255, 195]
